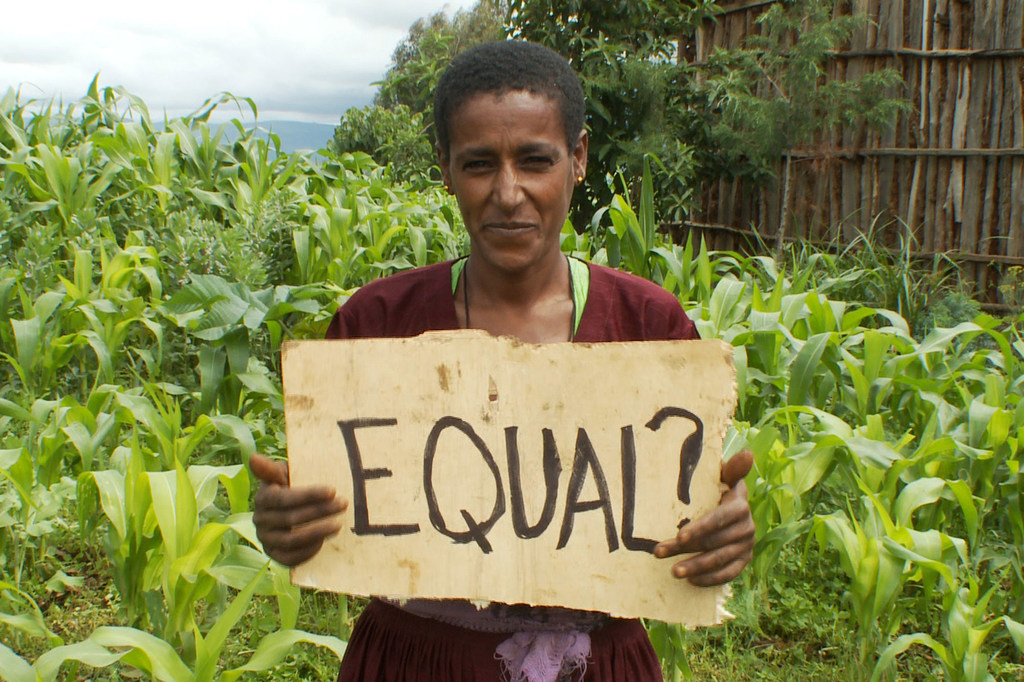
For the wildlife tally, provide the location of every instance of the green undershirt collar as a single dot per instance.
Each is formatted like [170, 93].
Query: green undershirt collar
[579, 276]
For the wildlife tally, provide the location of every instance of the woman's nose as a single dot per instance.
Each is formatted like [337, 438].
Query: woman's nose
[508, 191]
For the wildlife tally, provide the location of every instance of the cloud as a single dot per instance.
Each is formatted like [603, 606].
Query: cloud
[309, 59]
[398, 15]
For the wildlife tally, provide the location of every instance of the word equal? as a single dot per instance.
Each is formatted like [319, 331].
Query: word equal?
[585, 464]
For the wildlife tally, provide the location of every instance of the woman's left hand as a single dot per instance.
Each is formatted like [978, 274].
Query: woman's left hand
[721, 542]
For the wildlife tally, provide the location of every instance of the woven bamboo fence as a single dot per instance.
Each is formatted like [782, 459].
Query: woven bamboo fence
[951, 170]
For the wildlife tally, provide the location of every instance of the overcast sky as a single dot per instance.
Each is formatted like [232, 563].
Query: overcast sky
[301, 60]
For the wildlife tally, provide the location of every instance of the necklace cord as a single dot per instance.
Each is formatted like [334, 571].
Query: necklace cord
[572, 298]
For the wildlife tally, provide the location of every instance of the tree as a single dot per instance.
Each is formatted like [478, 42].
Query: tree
[731, 118]
[397, 130]
[421, 57]
[394, 137]
[773, 93]
[623, 51]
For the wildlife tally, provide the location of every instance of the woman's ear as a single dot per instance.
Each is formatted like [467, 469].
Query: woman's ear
[443, 162]
[579, 154]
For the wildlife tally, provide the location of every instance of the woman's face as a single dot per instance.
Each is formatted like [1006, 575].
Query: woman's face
[513, 174]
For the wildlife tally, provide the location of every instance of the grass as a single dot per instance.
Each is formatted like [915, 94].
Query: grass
[782, 629]
[790, 626]
[75, 612]
[318, 614]
[785, 631]
[96, 309]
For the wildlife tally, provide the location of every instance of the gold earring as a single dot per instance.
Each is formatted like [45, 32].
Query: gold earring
[579, 178]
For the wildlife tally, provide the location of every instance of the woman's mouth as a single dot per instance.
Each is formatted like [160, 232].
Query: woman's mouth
[509, 228]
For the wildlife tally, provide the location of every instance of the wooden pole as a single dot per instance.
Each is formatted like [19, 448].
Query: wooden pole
[1014, 85]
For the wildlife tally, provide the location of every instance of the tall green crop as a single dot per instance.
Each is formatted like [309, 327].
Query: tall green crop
[150, 271]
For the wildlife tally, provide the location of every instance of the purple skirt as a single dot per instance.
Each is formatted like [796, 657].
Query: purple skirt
[390, 645]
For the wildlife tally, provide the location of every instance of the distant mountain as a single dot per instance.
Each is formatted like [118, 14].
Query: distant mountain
[295, 135]
[298, 136]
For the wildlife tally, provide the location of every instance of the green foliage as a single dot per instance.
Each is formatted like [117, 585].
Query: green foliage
[151, 274]
[395, 137]
[623, 54]
[138, 371]
[892, 279]
[951, 309]
[1012, 287]
[419, 59]
[899, 457]
[732, 117]
[397, 130]
[774, 93]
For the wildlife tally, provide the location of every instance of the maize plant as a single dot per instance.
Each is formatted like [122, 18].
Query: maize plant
[149, 272]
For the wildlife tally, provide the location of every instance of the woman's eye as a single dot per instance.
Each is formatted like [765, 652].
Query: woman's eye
[538, 161]
[475, 164]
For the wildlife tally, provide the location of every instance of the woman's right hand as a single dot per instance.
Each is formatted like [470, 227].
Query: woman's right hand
[292, 523]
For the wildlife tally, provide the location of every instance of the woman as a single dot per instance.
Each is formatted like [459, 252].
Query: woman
[511, 145]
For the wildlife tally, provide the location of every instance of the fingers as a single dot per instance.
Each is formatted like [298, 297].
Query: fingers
[275, 498]
[280, 507]
[269, 470]
[709, 574]
[737, 467]
[714, 551]
[294, 558]
[292, 523]
[292, 546]
[729, 522]
[721, 543]
[720, 557]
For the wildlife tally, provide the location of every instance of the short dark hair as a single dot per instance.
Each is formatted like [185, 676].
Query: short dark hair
[505, 66]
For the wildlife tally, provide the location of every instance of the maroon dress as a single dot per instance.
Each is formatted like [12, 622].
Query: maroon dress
[392, 645]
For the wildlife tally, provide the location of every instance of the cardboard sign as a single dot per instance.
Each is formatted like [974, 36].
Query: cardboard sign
[486, 469]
